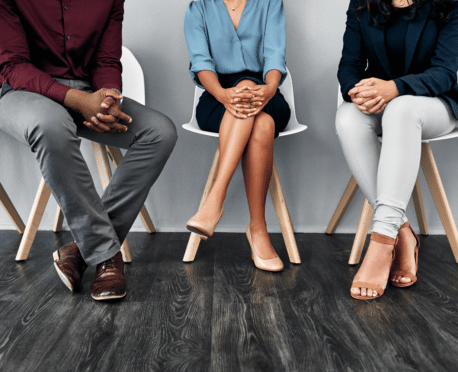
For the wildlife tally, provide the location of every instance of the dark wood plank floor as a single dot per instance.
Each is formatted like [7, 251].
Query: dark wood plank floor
[221, 314]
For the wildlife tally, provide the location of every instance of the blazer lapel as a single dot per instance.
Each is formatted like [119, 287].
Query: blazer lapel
[377, 34]
[413, 34]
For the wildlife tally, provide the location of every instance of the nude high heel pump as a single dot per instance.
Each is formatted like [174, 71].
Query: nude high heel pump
[205, 230]
[273, 264]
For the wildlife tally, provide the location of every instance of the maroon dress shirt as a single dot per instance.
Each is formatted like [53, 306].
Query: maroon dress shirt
[69, 39]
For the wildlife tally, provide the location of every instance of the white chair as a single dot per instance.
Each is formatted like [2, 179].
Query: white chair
[275, 188]
[435, 185]
[134, 88]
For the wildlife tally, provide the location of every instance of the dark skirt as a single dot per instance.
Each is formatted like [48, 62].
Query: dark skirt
[210, 112]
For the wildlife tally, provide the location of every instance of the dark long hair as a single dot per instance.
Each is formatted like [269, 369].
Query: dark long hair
[380, 10]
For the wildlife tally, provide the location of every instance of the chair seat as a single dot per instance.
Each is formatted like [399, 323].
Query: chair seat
[290, 129]
[452, 134]
[286, 89]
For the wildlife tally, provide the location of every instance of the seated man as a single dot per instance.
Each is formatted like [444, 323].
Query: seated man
[61, 72]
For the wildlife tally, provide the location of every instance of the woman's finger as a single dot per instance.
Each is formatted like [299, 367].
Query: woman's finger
[361, 107]
[245, 111]
[372, 102]
[368, 93]
[243, 105]
[236, 114]
[381, 109]
[369, 81]
[360, 89]
[377, 107]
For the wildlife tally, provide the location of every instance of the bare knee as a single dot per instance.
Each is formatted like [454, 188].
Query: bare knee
[246, 83]
[263, 129]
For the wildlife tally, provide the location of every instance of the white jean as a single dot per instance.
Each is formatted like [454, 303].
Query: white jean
[387, 174]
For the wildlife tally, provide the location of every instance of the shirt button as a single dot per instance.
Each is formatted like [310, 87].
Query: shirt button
[65, 7]
[68, 37]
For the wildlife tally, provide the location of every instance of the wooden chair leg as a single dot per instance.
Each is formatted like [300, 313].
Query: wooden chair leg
[440, 198]
[343, 205]
[116, 158]
[103, 165]
[419, 208]
[5, 201]
[58, 221]
[361, 233]
[283, 216]
[194, 239]
[36, 214]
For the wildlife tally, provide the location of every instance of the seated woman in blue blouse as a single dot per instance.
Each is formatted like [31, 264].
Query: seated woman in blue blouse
[237, 50]
[398, 74]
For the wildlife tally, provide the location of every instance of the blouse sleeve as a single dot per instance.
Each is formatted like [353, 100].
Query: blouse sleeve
[198, 45]
[275, 40]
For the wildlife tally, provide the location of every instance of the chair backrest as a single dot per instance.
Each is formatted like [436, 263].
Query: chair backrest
[286, 89]
[339, 97]
[133, 80]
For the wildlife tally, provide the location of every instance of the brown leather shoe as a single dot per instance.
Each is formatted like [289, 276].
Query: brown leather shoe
[109, 279]
[69, 265]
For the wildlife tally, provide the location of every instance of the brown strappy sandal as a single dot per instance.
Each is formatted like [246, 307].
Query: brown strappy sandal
[401, 252]
[377, 287]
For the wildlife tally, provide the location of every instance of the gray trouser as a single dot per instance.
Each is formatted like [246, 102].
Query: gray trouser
[387, 176]
[98, 225]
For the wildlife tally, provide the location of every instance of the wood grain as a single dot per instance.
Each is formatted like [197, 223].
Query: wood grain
[220, 313]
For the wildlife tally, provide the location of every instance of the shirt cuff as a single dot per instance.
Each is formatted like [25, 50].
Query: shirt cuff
[57, 92]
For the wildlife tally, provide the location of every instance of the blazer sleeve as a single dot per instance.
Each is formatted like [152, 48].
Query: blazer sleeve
[198, 43]
[275, 40]
[442, 75]
[16, 66]
[354, 61]
[107, 69]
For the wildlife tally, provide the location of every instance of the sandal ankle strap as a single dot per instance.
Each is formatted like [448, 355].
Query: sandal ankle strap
[379, 238]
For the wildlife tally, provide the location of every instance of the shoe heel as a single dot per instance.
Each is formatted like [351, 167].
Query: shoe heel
[55, 255]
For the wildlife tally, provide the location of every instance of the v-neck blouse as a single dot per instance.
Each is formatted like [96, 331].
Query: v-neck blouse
[258, 44]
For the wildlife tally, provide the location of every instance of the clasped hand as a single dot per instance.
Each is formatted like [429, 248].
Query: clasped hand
[243, 102]
[101, 109]
[372, 95]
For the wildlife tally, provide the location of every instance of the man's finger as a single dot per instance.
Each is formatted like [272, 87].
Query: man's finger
[110, 119]
[107, 102]
[100, 125]
[114, 94]
[92, 126]
[122, 116]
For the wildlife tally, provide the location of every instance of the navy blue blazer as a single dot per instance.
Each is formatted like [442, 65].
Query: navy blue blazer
[431, 59]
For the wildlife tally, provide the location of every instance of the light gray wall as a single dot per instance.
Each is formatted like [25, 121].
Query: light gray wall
[311, 166]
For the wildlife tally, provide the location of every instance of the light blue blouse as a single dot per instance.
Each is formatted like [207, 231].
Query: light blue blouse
[258, 44]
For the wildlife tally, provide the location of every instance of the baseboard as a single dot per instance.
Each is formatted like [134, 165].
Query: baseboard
[234, 229]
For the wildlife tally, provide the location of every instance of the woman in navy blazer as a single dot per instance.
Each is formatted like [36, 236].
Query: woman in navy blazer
[398, 75]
